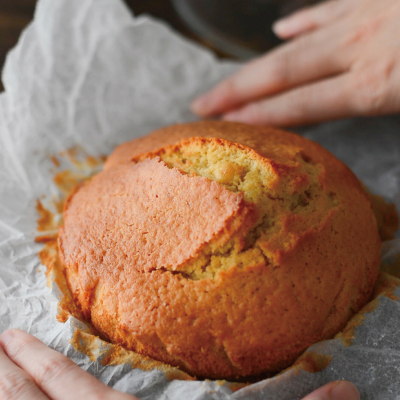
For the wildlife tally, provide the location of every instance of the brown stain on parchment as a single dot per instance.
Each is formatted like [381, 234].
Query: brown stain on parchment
[385, 286]
[66, 181]
[46, 221]
[55, 161]
[84, 167]
[312, 361]
[112, 355]
[234, 386]
[55, 274]
[77, 156]
[348, 333]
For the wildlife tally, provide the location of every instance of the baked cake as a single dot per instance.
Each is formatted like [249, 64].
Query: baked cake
[220, 248]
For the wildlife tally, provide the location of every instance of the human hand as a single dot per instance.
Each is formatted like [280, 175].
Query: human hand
[338, 390]
[343, 61]
[30, 370]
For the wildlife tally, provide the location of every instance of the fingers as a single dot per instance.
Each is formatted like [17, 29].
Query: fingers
[310, 18]
[305, 59]
[338, 390]
[15, 384]
[54, 373]
[324, 100]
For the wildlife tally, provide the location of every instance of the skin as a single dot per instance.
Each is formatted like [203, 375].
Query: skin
[342, 60]
[32, 371]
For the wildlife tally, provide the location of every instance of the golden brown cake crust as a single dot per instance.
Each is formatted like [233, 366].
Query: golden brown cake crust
[128, 254]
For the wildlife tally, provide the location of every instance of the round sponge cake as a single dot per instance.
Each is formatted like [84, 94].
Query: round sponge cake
[221, 248]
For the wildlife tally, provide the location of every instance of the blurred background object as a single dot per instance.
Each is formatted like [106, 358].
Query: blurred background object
[14, 16]
[239, 28]
[232, 28]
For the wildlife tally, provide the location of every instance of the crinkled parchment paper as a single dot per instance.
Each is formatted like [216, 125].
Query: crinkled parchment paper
[87, 73]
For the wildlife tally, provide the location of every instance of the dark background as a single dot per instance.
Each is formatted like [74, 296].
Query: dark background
[16, 14]
[246, 23]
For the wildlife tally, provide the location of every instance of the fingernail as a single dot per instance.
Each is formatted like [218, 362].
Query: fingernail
[200, 105]
[344, 390]
[7, 336]
[281, 27]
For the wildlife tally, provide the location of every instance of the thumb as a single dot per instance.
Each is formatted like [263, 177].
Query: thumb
[338, 390]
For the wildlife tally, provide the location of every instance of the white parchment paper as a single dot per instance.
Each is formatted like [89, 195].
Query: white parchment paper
[87, 73]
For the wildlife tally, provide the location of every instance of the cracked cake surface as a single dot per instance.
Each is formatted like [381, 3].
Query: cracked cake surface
[220, 248]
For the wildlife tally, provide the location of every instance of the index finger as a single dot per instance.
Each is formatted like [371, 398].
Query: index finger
[54, 373]
[309, 104]
[308, 58]
[337, 390]
[312, 17]
[16, 384]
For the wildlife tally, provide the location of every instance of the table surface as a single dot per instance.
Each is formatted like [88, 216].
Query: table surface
[16, 14]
